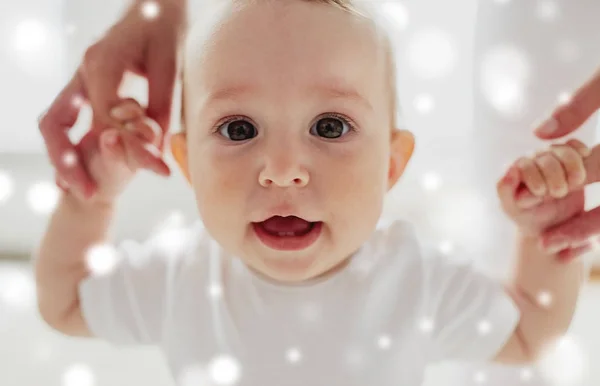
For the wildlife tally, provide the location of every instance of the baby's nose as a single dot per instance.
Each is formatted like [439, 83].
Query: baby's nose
[285, 171]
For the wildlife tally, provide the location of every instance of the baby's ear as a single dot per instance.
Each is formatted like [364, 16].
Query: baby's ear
[179, 150]
[402, 147]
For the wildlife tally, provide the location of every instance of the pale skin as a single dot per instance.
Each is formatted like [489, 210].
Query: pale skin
[237, 182]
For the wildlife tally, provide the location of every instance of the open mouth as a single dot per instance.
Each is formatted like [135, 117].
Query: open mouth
[287, 233]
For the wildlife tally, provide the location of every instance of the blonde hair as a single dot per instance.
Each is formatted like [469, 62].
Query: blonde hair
[364, 9]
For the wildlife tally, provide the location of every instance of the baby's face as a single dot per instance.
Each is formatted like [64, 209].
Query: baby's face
[287, 113]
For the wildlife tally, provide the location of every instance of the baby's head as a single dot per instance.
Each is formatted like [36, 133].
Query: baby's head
[289, 110]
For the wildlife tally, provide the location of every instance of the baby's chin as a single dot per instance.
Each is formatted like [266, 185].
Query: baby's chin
[293, 268]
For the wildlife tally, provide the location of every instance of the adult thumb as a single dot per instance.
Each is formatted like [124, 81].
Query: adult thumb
[161, 74]
[102, 77]
[572, 115]
[592, 165]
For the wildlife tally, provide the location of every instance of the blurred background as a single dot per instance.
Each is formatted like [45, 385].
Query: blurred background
[474, 75]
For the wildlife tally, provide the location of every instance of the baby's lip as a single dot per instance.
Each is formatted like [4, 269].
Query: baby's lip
[272, 214]
[284, 215]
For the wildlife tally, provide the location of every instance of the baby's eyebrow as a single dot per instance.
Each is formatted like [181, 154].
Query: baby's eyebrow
[328, 89]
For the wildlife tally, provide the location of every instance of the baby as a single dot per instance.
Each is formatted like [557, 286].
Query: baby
[290, 146]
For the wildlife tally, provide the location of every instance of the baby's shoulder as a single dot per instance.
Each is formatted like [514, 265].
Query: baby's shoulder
[398, 237]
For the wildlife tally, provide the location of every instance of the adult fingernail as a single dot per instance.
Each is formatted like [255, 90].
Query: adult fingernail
[121, 112]
[586, 151]
[547, 127]
[150, 148]
[554, 242]
[555, 248]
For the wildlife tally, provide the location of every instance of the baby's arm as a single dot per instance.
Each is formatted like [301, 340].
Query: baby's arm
[538, 194]
[74, 228]
[78, 225]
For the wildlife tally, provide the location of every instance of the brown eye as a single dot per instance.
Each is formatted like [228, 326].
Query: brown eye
[330, 128]
[238, 130]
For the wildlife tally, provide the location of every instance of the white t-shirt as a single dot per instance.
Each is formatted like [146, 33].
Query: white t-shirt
[391, 311]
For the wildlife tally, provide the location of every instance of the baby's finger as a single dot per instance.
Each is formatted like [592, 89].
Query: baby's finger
[508, 185]
[581, 147]
[532, 177]
[144, 155]
[146, 129]
[111, 145]
[572, 163]
[127, 110]
[554, 175]
[525, 199]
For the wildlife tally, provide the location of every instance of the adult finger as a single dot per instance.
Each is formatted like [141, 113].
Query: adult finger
[572, 115]
[145, 155]
[575, 231]
[102, 77]
[54, 125]
[592, 165]
[161, 73]
[567, 255]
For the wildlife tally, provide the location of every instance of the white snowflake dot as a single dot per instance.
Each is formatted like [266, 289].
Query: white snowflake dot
[426, 325]
[77, 101]
[564, 98]
[102, 259]
[384, 342]
[224, 370]
[30, 36]
[431, 181]
[150, 10]
[398, 13]
[43, 197]
[547, 10]
[446, 247]
[526, 374]
[215, 290]
[18, 291]
[424, 103]
[193, 375]
[70, 29]
[69, 158]
[505, 76]
[545, 298]
[564, 363]
[78, 375]
[568, 51]
[293, 355]
[431, 53]
[480, 377]
[6, 186]
[484, 327]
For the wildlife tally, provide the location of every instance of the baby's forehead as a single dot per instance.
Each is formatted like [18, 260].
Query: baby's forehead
[316, 44]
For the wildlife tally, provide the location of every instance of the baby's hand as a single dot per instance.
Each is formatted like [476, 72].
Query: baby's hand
[114, 162]
[547, 190]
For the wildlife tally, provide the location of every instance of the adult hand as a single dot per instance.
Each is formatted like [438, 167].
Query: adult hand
[138, 44]
[579, 230]
[565, 120]
[570, 116]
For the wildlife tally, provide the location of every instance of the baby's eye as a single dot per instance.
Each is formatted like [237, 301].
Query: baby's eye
[330, 128]
[238, 130]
